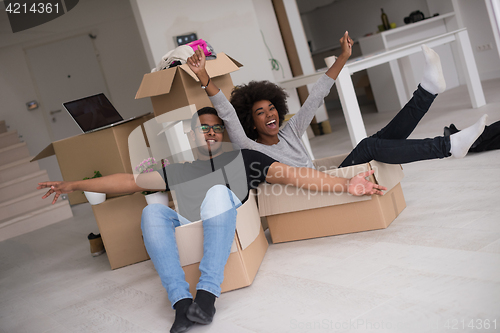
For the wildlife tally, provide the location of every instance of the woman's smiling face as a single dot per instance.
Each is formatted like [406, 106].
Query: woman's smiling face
[266, 121]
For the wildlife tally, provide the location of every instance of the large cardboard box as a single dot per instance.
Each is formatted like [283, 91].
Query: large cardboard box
[294, 214]
[119, 222]
[105, 150]
[247, 252]
[177, 87]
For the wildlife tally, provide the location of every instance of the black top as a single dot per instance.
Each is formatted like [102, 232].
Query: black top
[239, 170]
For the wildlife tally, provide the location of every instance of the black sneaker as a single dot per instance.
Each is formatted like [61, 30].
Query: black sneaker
[450, 130]
[96, 245]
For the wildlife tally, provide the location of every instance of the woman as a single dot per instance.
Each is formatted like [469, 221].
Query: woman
[257, 110]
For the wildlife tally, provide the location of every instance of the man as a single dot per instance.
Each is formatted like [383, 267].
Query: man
[210, 189]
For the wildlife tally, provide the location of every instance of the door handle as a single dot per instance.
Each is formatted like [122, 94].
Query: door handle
[54, 112]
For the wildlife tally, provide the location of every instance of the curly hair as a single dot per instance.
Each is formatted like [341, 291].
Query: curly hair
[244, 96]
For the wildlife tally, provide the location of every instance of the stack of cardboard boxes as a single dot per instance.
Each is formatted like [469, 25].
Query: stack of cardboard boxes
[118, 218]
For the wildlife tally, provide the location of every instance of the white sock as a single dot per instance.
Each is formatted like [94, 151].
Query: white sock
[461, 141]
[433, 79]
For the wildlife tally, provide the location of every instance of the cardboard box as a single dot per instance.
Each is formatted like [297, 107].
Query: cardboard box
[119, 222]
[177, 87]
[105, 150]
[247, 252]
[293, 214]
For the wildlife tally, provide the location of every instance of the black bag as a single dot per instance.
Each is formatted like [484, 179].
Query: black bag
[414, 17]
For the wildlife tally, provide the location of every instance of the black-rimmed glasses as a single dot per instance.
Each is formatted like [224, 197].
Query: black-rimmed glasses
[204, 128]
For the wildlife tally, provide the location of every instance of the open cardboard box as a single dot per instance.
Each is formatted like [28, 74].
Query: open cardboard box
[293, 214]
[247, 252]
[104, 150]
[178, 86]
[119, 222]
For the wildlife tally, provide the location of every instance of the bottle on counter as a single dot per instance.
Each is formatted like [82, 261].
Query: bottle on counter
[385, 20]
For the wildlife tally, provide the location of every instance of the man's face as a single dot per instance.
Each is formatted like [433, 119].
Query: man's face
[209, 143]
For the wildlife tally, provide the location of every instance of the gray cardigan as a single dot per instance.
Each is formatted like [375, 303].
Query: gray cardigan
[289, 150]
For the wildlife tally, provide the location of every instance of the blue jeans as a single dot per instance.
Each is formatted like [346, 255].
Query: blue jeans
[390, 144]
[218, 212]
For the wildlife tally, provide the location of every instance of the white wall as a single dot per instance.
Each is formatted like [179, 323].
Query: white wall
[269, 27]
[120, 52]
[474, 16]
[440, 6]
[16, 88]
[493, 7]
[325, 25]
[229, 26]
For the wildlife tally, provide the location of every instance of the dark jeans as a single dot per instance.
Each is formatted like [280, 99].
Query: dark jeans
[489, 140]
[390, 144]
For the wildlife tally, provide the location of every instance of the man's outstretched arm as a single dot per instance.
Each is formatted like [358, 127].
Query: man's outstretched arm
[112, 184]
[312, 179]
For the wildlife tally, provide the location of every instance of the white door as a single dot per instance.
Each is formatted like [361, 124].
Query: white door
[64, 71]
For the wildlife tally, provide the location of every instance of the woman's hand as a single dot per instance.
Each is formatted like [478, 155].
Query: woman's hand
[359, 185]
[58, 188]
[346, 43]
[196, 62]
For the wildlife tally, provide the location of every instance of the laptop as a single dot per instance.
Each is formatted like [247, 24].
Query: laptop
[95, 113]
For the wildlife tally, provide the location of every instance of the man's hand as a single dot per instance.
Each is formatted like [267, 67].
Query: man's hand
[358, 185]
[112, 184]
[55, 187]
[346, 43]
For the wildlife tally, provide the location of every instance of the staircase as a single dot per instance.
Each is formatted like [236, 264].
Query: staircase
[22, 208]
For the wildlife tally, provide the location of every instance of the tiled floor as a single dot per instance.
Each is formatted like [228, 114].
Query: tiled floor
[435, 269]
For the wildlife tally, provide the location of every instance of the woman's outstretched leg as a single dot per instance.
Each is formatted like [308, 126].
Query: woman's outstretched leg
[488, 140]
[463, 140]
[433, 79]
[406, 151]
[433, 83]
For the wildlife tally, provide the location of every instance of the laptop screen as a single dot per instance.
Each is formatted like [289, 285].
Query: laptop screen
[93, 112]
